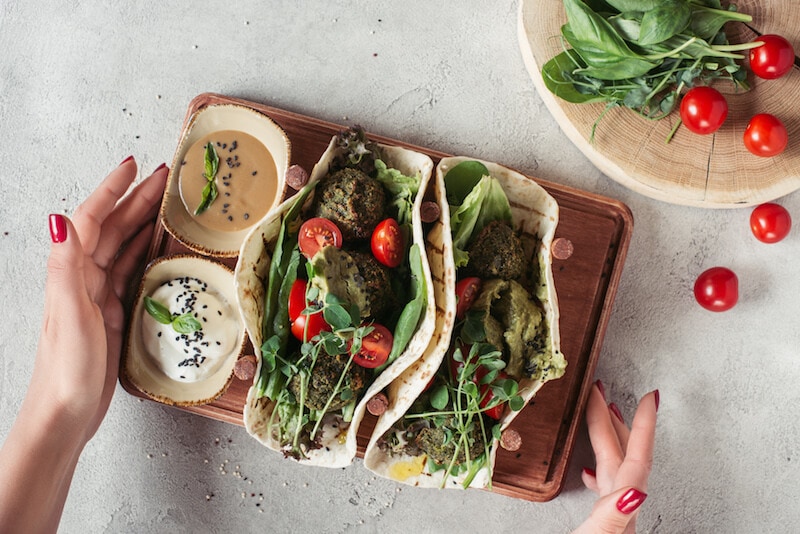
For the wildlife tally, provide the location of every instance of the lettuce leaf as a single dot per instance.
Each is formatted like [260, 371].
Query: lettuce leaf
[402, 188]
[486, 202]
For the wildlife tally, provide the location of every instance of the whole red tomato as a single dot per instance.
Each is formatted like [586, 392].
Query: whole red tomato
[773, 59]
[703, 110]
[770, 222]
[765, 135]
[717, 289]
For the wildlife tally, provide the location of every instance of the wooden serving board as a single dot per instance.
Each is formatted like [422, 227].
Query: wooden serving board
[710, 171]
[599, 229]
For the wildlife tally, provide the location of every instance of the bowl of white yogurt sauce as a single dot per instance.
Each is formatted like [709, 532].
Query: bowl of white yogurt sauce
[186, 332]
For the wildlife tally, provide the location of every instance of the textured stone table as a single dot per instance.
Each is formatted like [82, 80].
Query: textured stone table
[83, 86]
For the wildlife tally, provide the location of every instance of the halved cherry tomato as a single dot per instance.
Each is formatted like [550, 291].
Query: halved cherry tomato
[467, 291]
[495, 412]
[773, 59]
[316, 324]
[317, 233]
[703, 110]
[387, 243]
[375, 347]
[770, 222]
[717, 289]
[297, 299]
[765, 135]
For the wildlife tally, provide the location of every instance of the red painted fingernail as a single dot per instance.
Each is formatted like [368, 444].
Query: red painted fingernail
[657, 398]
[590, 472]
[601, 388]
[126, 160]
[615, 410]
[159, 167]
[58, 228]
[630, 501]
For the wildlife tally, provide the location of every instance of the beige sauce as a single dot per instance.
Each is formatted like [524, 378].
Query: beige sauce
[246, 181]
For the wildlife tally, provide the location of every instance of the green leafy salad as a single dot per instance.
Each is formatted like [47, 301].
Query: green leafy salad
[643, 54]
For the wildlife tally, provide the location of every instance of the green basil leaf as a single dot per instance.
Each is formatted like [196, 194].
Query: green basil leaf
[557, 76]
[157, 311]
[209, 196]
[186, 324]
[211, 161]
[665, 21]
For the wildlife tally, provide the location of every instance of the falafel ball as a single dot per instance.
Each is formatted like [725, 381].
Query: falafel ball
[496, 252]
[352, 200]
[376, 282]
[324, 377]
[434, 442]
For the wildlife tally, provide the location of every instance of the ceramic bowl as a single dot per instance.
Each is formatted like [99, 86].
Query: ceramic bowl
[178, 219]
[141, 366]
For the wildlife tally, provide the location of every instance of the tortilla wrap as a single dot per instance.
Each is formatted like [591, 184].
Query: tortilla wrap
[338, 439]
[534, 214]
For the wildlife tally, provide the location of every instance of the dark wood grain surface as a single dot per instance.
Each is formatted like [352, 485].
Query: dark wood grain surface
[586, 283]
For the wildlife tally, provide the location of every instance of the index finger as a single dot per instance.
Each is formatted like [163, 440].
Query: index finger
[130, 214]
[90, 215]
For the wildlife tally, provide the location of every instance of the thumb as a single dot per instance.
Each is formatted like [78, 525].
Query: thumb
[612, 513]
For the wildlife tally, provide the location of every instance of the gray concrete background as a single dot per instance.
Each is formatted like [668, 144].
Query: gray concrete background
[82, 86]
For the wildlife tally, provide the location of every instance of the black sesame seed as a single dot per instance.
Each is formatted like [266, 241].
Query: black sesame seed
[246, 216]
[254, 173]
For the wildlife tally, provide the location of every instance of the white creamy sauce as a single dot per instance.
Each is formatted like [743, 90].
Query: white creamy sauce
[198, 355]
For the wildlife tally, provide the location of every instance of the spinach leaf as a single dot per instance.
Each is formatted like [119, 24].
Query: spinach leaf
[634, 5]
[666, 20]
[413, 310]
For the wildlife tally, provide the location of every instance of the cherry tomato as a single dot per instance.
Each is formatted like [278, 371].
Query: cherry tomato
[495, 412]
[297, 299]
[375, 347]
[387, 243]
[765, 135]
[773, 59]
[717, 289]
[316, 324]
[703, 110]
[770, 222]
[467, 291]
[317, 233]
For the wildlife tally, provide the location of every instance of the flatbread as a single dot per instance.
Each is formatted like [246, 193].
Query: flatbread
[338, 439]
[535, 213]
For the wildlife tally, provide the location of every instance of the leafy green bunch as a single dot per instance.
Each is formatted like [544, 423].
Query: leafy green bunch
[642, 54]
[460, 400]
[345, 338]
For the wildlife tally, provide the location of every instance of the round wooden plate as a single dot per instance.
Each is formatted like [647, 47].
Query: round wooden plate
[710, 171]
